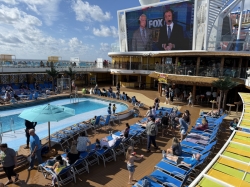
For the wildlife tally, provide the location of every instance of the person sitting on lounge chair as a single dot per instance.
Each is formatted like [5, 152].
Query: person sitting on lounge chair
[6, 97]
[107, 144]
[186, 161]
[203, 126]
[56, 168]
[50, 92]
[91, 121]
[175, 149]
[233, 124]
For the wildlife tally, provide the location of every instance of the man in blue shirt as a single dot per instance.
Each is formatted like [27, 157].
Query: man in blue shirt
[186, 161]
[35, 149]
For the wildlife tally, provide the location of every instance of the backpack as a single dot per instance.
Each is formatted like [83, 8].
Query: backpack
[145, 183]
[152, 129]
[44, 150]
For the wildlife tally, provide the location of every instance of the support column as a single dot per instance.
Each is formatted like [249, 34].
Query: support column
[130, 62]
[113, 79]
[139, 76]
[222, 65]
[246, 68]
[239, 68]
[240, 20]
[194, 93]
[141, 63]
[198, 65]
[117, 80]
[147, 62]
[161, 89]
[176, 64]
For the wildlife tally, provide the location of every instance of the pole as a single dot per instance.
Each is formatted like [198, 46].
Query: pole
[49, 134]
[247, 15]
[240, 20]
[130, 62]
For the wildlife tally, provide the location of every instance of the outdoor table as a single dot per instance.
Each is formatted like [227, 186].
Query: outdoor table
[230, 105]
[213, 102]
[202, 97]
[237, 105]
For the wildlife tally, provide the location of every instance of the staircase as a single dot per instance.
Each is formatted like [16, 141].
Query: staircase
[214, 10]
[217, 11]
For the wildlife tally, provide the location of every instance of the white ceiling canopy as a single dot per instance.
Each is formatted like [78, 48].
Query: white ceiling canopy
[147, 2]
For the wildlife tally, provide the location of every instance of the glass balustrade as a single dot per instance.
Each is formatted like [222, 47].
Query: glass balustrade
[189, 70]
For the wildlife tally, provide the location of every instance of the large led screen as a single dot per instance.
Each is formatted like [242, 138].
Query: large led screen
[165, 27]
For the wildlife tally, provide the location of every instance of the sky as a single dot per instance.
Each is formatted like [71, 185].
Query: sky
[36, 29]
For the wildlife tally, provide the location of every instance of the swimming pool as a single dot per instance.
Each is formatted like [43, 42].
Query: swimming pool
[87, 108]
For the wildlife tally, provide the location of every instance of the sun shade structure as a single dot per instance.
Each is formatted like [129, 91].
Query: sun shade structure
[47, 113]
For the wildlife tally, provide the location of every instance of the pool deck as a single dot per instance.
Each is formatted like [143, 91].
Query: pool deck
[115, 174]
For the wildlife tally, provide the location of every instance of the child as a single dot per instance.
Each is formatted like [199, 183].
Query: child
[109, 110]
[114, 108]
[130, 158]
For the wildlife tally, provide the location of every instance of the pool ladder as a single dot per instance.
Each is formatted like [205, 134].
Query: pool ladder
[74, 98]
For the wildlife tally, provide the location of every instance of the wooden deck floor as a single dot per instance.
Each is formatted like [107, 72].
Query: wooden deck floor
[115, 174]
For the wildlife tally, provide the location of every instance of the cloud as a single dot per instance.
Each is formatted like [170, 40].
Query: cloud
[48, 9]
[10, 39]
[106, 31]
[17, 18]
[76, 46]
[22, 35]
[86, 28]
[105, 47]
[10, 2]
[86, 12]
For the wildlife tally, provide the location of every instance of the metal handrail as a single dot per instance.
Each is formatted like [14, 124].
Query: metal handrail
[74, 98]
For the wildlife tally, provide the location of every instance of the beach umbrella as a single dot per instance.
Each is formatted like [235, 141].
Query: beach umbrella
[47, 113]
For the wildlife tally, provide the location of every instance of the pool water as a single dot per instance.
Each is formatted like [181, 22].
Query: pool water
[13, 122]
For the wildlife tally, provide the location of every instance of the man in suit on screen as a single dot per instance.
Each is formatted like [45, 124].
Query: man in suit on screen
[142, 37]
[171, 34]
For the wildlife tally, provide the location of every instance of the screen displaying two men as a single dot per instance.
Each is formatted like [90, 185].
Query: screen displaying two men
[166, 27]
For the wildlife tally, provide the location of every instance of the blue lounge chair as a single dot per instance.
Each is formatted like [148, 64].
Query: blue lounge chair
[80, 166]
[97, 122]
[168, 180]
[108, 94]
[199, 149]
[170, 168]
[65, 176]
[106, 155]
[151, 182]
[92, 158]
[118, 148]
[30, 96]
[36, 95]
[106, 121]
[202, 159]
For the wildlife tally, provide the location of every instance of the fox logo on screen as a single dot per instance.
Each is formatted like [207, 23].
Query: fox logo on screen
[155, 23]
